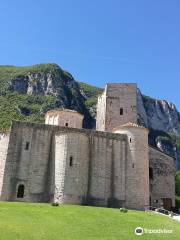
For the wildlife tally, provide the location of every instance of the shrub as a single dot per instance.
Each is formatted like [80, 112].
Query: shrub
[177, 204]
[55, 204]
[123, 210]
[177, 183]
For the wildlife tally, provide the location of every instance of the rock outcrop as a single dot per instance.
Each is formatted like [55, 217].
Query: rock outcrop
[50, 80]
[158, 114]
[163, 119]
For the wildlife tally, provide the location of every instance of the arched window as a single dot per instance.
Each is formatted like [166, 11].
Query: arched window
[20, 192]
[66, 124]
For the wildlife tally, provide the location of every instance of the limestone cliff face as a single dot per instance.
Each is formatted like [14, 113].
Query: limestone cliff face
[162, 118]
[52, 81]
[158, 114]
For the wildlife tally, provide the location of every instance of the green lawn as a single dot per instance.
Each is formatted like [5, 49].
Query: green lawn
[43, 221]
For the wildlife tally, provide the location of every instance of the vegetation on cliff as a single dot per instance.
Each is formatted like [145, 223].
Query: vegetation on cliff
[177, 177]
[90, 94]
[26, 93]
[170, 139]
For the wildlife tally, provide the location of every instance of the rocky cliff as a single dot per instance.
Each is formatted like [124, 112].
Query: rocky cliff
[163, 120]
[55, 87]
[26, 93]
[49, 81]
[158, 114]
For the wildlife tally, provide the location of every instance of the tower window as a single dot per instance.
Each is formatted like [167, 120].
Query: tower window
[121, 111]
[27, 146]
[71, 161]
[130, 140]
[150, 173]
[66, 124]
[20, 192]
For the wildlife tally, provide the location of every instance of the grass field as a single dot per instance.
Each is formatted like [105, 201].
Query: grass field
[24, 221]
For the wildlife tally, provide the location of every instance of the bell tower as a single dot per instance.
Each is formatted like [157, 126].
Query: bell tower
[116, 106]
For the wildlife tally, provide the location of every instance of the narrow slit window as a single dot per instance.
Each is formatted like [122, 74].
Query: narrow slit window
[130, 140]
[150, 173]
[27, 145]
[71, 161]
[121, 111]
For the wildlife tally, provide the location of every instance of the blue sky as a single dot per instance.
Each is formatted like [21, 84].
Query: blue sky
[98, 41]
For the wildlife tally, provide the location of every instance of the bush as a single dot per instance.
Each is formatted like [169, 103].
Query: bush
[177, 183]
[55, 204]
[177, 204]
[123, 210]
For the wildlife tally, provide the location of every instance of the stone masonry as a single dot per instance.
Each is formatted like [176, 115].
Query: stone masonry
[116, 106]
[112, 167]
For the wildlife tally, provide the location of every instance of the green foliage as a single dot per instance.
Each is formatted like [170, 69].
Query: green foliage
[90, 94]
[10, 72]
[167, 138]
[177, 177]
[123, 210]
[67, 74]
[175, 140]
[26, 107]
[55, 204]
[178, 203]
[90, 91]
[6, 71]
[42, 221]
[23, 107]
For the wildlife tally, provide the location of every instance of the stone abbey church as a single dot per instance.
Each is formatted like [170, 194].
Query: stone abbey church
[111, 166]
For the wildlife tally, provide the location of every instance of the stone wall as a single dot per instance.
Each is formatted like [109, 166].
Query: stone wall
[28, 162]
[64, 117]
[137, 167]
[4, 140]
[83, 166]
[96, 175]
[107, 171]
[117, 106]
[71, 167]
[162, 183]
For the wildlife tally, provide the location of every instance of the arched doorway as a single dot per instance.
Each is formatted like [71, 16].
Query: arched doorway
[20, 191]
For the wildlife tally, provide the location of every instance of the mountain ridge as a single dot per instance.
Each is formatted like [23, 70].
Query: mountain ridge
[27, 92]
